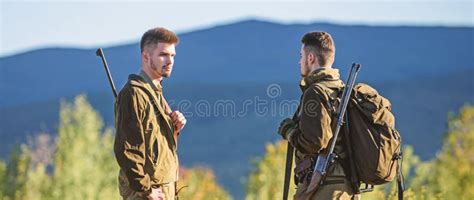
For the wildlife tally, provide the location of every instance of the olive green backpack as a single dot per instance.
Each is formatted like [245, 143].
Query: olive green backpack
[374, 143]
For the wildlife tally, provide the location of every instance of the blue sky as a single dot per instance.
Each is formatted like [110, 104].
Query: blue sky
[27, 25]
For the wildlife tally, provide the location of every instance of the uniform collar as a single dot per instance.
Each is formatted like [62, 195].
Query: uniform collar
[147, 79]
[329, 76]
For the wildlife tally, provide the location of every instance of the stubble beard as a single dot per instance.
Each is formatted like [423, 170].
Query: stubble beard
[306, 70]
[162, 73]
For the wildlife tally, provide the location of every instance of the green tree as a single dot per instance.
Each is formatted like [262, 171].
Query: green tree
[82, 163]
[3, 169]
[24, 179]
[16, 174]
[84, 166]
[200, 184]
[452, 174]
[39, 150]
[266, 181]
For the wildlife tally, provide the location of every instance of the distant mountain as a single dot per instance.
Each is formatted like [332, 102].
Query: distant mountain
[425, 71]
[248, 51]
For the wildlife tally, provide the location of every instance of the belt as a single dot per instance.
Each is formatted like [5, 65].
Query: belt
[330, 180]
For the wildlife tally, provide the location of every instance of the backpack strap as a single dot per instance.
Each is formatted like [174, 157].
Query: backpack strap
[354, 179]
[400, 178]
[329, 102]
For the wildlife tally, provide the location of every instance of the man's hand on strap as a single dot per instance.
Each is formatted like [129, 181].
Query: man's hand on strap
[179, 122]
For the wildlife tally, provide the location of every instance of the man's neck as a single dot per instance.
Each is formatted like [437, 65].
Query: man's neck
[156, 81]
[315, 67]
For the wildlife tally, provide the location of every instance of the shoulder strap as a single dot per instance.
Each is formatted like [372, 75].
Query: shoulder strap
[329, 101]
[400, 178]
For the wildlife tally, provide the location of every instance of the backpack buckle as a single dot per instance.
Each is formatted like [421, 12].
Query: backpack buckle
[367, 188]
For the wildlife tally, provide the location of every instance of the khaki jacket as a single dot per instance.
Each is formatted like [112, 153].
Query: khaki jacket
[144, 146]
[315, 118]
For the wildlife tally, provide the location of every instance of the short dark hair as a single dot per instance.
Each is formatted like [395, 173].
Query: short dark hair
[321, 44]
[158, 34]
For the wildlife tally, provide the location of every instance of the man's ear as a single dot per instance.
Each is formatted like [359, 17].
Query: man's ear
[145, 56]
[311, 58]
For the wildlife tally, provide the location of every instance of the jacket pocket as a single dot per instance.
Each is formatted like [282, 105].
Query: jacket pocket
[155, 150]
[153, 146]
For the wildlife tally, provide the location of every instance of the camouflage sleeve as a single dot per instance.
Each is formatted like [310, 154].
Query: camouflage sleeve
[314, 125]
[130, 140]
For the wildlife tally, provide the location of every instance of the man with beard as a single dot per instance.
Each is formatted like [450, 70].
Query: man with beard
[147, 130]
[310, 132]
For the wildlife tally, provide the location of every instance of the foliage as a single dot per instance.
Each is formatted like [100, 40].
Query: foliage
[15, 174]
[79, 165]
[3, 168]
[24, 178]
[453, 175]
[266, 181]
[84, 165]
[200, 184]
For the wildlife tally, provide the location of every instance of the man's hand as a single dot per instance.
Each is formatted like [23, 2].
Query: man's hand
[286, 127]
[179, 121]
[156, 194]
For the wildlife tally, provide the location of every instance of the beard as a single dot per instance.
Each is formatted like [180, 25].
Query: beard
[162, 71]
[305, 69]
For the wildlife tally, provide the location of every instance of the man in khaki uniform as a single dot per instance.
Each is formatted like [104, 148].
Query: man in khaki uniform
[147, 130]
[310, 131]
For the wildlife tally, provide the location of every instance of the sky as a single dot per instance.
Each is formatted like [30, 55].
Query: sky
[34, 24]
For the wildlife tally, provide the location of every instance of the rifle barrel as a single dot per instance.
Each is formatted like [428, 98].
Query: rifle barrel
[100, 53]
[343, 105]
